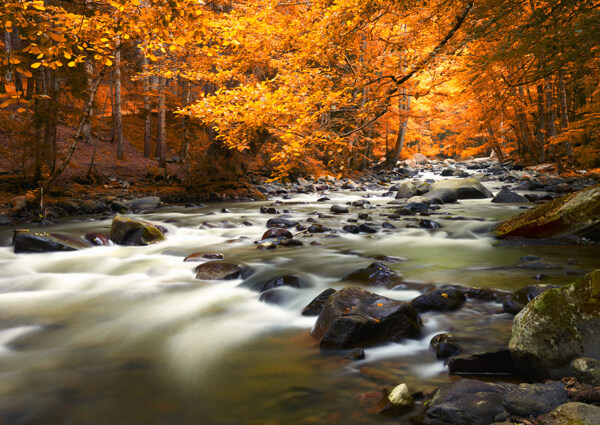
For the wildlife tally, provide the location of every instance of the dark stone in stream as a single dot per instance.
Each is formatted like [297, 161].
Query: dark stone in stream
[28, 241]
[5, 221]
[98, 239]
[200, 256]
[377, 274]
[495, 363]
[515, 302]
[221, 270]
[353, 317]
[429, 224]
[290, 242]
[417, 207]
[147, 203]
[442, 196]
[484, 294]
[315, 307]
[356, 354]
[283, 223]
[351, 228]
[268, 210]
[505, 196]
[443, 299]
[290, 280]
[338, 209]
[276, 232]
[318, 228]
[388, 225]
[539, 265]
[444, 346]
[467, 402]
[365, 228]
[534, 399]
[130, 231]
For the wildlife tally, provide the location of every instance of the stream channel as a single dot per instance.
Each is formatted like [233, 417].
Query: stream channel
[127, 335]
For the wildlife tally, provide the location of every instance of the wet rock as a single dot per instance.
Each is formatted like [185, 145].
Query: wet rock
[376, 274]
[572, 414]
[283, 223]
[534, 399]
[89, 206]
[505, 196]
[483, 294]
[447, 172]
[443, 299]
[406, 190]
[494, 363]
[219, 270]
[130, 231]
[539, 265]
[201, 256]
[148, 203]
[269, 210]
[353, 317]
[318, 228]
[556, 327]
[98, 239]
[351, 228]
[429, 224]
[29, 241]
[442, 196]
[5, 221]
[388, 225]
[516, 301]
[338, 209]
[468, 188]
[417, 207]
[466, 402]
[276, 232]
[401, 397]
[356, 354]
[444, 346]
[290, 242]
[587, 370]
[365, 228]
[315, 307]
[572, 214]
[290, 280]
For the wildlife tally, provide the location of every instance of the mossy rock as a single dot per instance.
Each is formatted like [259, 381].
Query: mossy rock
[571, 214]
[556, 327]
[131, 231]
[30, 241]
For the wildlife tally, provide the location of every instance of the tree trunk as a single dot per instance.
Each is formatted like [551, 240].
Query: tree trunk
[117, 115]
[495, 145]
[147, 111]
[161, 139]
[550, 123]
[187, 92]
[87, 125]
[541, 130]
[564, 116]
[403, 105]
[524, 126]
[50, 119]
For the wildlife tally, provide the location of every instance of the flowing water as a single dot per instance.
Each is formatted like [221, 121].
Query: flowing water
[127, 335]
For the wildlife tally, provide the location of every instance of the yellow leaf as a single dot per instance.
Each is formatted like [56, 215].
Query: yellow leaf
[108, 62]
[21, 110]
[180, 41]
[172, 47]
[41, 55]
[27, 73]
[39, 6]
[36, 65]
[67, 55]
[6, 103]
[135, 2]
[152, 57]
[71, 64]
[126, 36]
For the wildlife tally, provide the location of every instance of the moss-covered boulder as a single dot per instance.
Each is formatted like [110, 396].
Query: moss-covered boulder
[132, 231]
[577, 213]
[31, 241]
[557, 327]
[468, 188]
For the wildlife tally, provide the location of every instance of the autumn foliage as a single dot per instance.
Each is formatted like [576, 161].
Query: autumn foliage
[284, 88]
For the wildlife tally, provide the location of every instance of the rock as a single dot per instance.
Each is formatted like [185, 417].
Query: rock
[269, 210]
[220, 270]
[572, 414]
[200, 256]
[290, 280]
[338, 209]
[353, 317]
[441, 196]
[468, 188]
[355, 354]
[148, 203]
[98, 239]
[351, 228]
[572, 214]
[494, 363]
[283, 223]
[315, 307]
[89, 206]
[365, 228]
[505, 196]
[444, 346]
[419, 158]
[556, 327]
[516, 301]
[429, 224]
[131, 231]
[465, 402]
[534, 399]
[29, 241]
[318, 228]
[443, 299]
[276, 232]
[406, 190]
[587, 370]
[376, 274]
[447, 172]
[5, 221]
[401, 397]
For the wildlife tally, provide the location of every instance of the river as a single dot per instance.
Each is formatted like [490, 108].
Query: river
[127, 335]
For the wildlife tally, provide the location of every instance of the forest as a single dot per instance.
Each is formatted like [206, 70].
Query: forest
[227, 90]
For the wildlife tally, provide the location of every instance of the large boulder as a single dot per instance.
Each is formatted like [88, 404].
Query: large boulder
[220, 270]
[29, 241]
[353, 317]
[557, 327]
[468, 188]
[376, 274]
[132, 231]
[406, 190]
[577, 213]
[572, 414]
